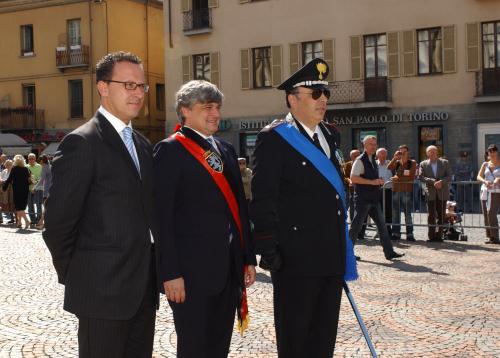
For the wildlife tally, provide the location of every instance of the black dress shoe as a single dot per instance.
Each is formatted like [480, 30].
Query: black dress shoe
[393, 255]
[357, 258]
[436, 239]
[395, 237]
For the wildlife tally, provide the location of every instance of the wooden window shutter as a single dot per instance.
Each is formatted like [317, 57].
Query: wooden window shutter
[393, 54]
[449, 49]
[245, 68]
[187, 68]
[215, 68]
[213, 3]
[409, 54]
[329, 57]
[186, 5]
[276, 65]
[295, 57]
[356, 60]
[473, 45]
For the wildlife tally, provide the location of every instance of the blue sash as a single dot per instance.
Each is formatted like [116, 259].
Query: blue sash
[328, 170]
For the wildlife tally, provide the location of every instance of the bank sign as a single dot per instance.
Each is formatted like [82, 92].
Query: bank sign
[390, 118]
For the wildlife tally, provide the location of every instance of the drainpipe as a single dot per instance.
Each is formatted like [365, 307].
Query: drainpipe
[91, 59]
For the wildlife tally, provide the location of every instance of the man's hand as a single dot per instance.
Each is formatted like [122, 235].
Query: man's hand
[378, 181]
[438, 184]
[174, 290]
[250, 275]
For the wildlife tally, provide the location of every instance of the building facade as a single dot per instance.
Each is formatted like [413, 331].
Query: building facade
[49, 50]
[413, 72]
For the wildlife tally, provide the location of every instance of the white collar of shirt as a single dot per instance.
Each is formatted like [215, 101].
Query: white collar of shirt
[209, 138]
[116, 122]
[310, 132]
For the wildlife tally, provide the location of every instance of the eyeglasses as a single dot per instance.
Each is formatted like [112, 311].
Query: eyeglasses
[316, 93]
[131, 86]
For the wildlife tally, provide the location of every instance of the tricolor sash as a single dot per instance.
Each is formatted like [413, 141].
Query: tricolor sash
[328, 170]
[206, 159]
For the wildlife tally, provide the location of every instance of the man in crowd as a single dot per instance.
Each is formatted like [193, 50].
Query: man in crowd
[99, 218]
[386, 195]
[35, 196]
[436, 174]
[246, 177]
[299, 217]
[464, 174]
[350, 189]
[404, 173]
[206, 258]
[367, 184]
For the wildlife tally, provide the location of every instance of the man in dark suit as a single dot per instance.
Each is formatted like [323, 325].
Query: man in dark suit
[299, 218]
[99, 219]
[205, 254]
[436, 174]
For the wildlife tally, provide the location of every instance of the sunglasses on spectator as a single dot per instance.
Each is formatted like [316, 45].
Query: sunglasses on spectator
[316, 93]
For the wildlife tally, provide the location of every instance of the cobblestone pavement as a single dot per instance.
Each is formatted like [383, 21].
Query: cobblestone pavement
[442, 300]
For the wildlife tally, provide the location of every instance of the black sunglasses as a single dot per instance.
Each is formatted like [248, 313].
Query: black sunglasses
[316, 93]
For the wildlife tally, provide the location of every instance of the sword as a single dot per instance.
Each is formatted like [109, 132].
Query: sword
[360, 320]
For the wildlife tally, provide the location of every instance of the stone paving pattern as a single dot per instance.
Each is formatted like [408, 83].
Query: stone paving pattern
[442, 300]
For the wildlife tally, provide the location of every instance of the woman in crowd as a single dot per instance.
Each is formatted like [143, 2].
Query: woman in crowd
[7, 197]
[20, 179]
[46, 180]
[489, 175]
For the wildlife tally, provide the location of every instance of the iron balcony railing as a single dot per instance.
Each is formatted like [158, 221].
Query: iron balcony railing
[197, 19]
[488, 82]
[22, 118]
[359, 91]
[78, 56]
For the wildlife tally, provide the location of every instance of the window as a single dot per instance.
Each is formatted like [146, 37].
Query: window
[491, 45]
[358, 134]
[160, 96]
[202, 67]
[429, 135]
[74, 34]
[375, 56]
[261, 67]
[311, 50]
[29, 98]
[429, 51]
[27, 44]
[76, 98]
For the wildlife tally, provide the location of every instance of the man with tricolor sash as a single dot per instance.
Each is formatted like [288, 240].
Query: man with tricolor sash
[206, 258]
[299, 215]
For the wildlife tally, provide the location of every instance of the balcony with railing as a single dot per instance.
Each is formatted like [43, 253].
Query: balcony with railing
[74, 56]
[197, 21]
[488, 85]
[21, 118]
[367, 93]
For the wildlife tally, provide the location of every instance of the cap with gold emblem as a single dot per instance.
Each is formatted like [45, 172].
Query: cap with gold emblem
[312, 74]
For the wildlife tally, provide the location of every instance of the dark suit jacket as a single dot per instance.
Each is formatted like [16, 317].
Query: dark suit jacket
[194, 219]
[98, 220]
[296, 208]
[443, 173]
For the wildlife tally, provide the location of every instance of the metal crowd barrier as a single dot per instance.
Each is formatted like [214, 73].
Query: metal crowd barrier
[464, 206]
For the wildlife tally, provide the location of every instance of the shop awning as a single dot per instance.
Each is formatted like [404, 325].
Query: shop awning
[12, 144]
[51, 149]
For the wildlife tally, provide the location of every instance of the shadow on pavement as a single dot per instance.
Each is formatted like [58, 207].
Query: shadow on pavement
[406, 267]
[460, 246]
[261, 277]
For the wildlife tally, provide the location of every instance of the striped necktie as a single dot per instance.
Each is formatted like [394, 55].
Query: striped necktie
[129, 143]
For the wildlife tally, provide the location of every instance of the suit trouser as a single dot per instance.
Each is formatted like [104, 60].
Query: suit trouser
[361, 234]
[386, 204]
[204, 323]
[133, 338]
[361, 212]
[306, 314]
[435, 210]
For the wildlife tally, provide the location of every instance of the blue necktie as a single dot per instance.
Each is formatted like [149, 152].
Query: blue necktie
[129, 143]
[212, 144]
